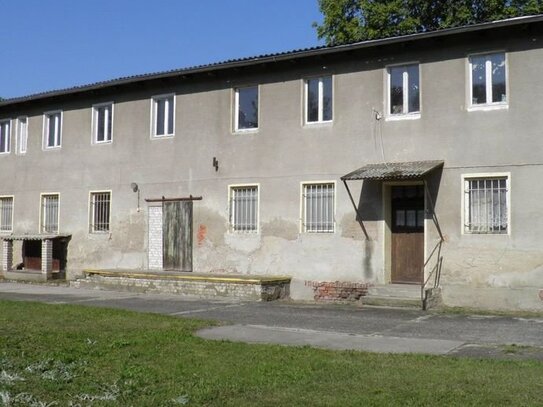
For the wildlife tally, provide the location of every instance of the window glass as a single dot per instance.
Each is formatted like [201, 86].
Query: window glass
[22, 134]
[170, 115]
[160, 112]
[327, 98]
[51, 139]
[478, 67]
[248, 107]
[5, 137]
[313, 100]
[396, 90]
[413, 88]
[498, 78]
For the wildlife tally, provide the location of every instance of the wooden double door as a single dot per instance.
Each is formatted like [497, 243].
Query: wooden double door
[407, 229]
[177, 235]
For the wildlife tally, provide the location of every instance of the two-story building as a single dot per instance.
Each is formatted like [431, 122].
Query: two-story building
[406, 160]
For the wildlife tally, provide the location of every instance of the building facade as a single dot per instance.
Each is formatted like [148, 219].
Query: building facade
[405, 160]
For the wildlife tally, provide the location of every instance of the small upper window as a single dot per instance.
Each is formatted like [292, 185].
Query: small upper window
[22, 135]
[318, 100]
[486, 205]
[102, 122]
[52, 129]
[403, 90]
[6, 214]
[246, 111]
[163, 115]
[488, 79]
[5, 136]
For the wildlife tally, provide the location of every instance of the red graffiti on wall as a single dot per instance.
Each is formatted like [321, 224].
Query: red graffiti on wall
[202, 232]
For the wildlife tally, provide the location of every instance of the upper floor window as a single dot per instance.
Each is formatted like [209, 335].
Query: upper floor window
[49, 213]
[244, 208]
[318, 100]
[52, 129]
[5, 136]
[6, 214]
[488, 79]
[163, 107]
[102, 122]
[403, 90]
[486, 204]
[22, 135]
[100, 210]
[318, 207]
[246, 108]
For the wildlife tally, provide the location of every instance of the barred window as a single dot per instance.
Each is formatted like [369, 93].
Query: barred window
[244, 208]
[6, 214]
[486, 205]
[49, 213]
[318, 208]
[100, 210]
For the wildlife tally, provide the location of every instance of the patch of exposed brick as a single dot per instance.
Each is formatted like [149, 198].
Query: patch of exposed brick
[337, 291]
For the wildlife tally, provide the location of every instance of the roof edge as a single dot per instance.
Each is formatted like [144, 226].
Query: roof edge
[273, 58]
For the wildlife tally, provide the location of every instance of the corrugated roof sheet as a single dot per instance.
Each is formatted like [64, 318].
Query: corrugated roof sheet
[34, 237]
[393, 171]
[274, 57]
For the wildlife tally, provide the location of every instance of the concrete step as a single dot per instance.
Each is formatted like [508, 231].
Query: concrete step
[394, 295]
[408, 291]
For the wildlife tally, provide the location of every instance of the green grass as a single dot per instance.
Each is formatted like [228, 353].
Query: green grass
[65, 355]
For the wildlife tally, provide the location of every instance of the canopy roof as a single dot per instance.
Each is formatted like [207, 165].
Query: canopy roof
[393, 171]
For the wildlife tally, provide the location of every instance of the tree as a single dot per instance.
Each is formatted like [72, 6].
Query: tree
[359, 20]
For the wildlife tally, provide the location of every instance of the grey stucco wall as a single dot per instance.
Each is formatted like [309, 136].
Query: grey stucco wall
[499, 270]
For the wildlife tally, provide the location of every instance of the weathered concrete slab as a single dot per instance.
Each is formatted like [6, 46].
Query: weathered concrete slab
[329, 340]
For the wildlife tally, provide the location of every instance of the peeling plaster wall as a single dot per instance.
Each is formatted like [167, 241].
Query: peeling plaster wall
[478, 270]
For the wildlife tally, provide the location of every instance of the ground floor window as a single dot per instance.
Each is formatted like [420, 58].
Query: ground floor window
[486, 204]
[6, 214]
[318, 207]
[100, 211]
[244, 208]
[49, 213]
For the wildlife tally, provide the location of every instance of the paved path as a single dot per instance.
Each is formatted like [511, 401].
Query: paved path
[328, 326]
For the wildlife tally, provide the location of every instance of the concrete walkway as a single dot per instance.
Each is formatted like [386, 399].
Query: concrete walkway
[326, 326]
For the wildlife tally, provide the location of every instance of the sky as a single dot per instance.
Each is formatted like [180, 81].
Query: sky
[55, 44]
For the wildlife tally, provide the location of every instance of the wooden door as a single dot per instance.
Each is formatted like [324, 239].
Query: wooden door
[407, 256]
[177, 235]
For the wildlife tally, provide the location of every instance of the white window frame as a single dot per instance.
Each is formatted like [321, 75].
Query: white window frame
[94, 129]
[58, 129]
[236, 109]
[154, 117]
[42, 215]
[465, 202]
[92, 222]
[231, 227]
[488, 72]
[2, 122]
[405, 115]
[303, 210]
[22, 138]
[12, 197]
[321, 100]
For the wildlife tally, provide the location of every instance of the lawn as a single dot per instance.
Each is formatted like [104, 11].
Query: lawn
[65, 355]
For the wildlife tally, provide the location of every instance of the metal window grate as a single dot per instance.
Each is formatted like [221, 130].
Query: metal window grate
[6, 214]
[318, 208]
[244, 209]
[49, 213]
[486, 205]
[100, 212]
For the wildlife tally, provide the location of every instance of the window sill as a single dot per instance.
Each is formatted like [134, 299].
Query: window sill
[52, 148]
[487, 108]
[399, 117]
[162, 137]
[246, 131]
[5, 153]
[102, 143]
[316, 125]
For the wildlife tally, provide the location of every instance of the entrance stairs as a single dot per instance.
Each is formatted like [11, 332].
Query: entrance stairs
[394, 295]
